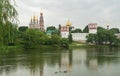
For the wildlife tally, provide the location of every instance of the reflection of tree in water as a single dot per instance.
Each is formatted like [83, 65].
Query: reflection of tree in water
[65, 64]
[100, 56]
[51, 58]
[33, 60]
[9, 60]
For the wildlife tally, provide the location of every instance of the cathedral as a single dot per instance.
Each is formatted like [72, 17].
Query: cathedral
[37, 24]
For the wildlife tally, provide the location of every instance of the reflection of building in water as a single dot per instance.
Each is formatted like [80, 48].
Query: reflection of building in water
[93, 64]
[66, 62]
[79, 56]
[108, 71]
[37, 71]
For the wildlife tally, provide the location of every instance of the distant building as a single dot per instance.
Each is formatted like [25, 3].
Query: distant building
[92, 28]
[64, 30]
[81, 37]
[50, 32]
[35, 24]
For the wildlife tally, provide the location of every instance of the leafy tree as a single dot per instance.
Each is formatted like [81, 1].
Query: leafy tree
[103, 36]
[33, 37]
[51, 28]
[8, 20]
[70, 38]
[115, 30]
[23, 28]
[86, 30]
[91, 38]
[54, 30]
[76, 31]
[64, 42]
[55, 39]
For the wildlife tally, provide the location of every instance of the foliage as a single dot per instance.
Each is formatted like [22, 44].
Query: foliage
[115, 30]
[8, 22]
[76, 31]
[53, 30]
[91, 38]
[70, 38]
[23, 28]
[32, 37]
[103, 36]
[86, 30]
[64, 43]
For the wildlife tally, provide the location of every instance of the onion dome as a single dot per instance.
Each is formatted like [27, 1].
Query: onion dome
[68, 23]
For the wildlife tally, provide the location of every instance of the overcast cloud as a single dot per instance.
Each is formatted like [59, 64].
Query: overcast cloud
[79, 12]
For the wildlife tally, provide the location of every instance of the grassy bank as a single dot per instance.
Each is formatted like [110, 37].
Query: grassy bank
[6, 49]
[84, 45]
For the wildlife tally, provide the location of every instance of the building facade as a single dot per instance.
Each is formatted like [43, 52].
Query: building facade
[37, 24]
[92, 28]
[81, 37]
[64, 30]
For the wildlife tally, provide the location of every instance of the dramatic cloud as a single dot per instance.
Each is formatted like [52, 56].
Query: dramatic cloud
[79, 12]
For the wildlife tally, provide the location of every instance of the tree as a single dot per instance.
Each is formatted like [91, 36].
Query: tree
[76, 31]
[8, 22]
[51, 28]
[103, 36]
[70, 38]
[64, 42]
[23, 28]
[115, 30]
[91, 38]
[86, 30]
[32, 38]
[55, 39]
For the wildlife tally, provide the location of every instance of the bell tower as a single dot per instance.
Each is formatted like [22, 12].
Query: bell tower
[41, 22]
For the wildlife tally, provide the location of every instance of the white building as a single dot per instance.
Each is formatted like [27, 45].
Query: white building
[65, 30]
[79, 37]
[92, 28]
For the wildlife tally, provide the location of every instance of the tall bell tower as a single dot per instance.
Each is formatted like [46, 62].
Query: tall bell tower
[41, 22]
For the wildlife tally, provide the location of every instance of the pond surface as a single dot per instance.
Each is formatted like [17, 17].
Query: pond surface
[53, 62]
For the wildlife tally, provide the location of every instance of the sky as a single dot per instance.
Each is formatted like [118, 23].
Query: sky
[79, 12]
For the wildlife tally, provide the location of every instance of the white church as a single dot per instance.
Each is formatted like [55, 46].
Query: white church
[81, 37]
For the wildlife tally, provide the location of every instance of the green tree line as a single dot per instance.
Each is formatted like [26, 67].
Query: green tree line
[32, 38]
[28, 38]
[104, 36]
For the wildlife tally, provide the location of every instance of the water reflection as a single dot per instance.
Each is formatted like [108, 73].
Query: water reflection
[54, 62]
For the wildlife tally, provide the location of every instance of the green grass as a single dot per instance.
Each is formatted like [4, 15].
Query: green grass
[85, 45]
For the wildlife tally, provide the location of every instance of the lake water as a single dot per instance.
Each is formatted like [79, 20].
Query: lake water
[53, 62]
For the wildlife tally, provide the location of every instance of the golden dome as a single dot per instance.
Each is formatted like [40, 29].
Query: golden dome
[35, 17]
[68, 23]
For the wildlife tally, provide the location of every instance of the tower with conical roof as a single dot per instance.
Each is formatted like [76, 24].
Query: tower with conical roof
[41, 22]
